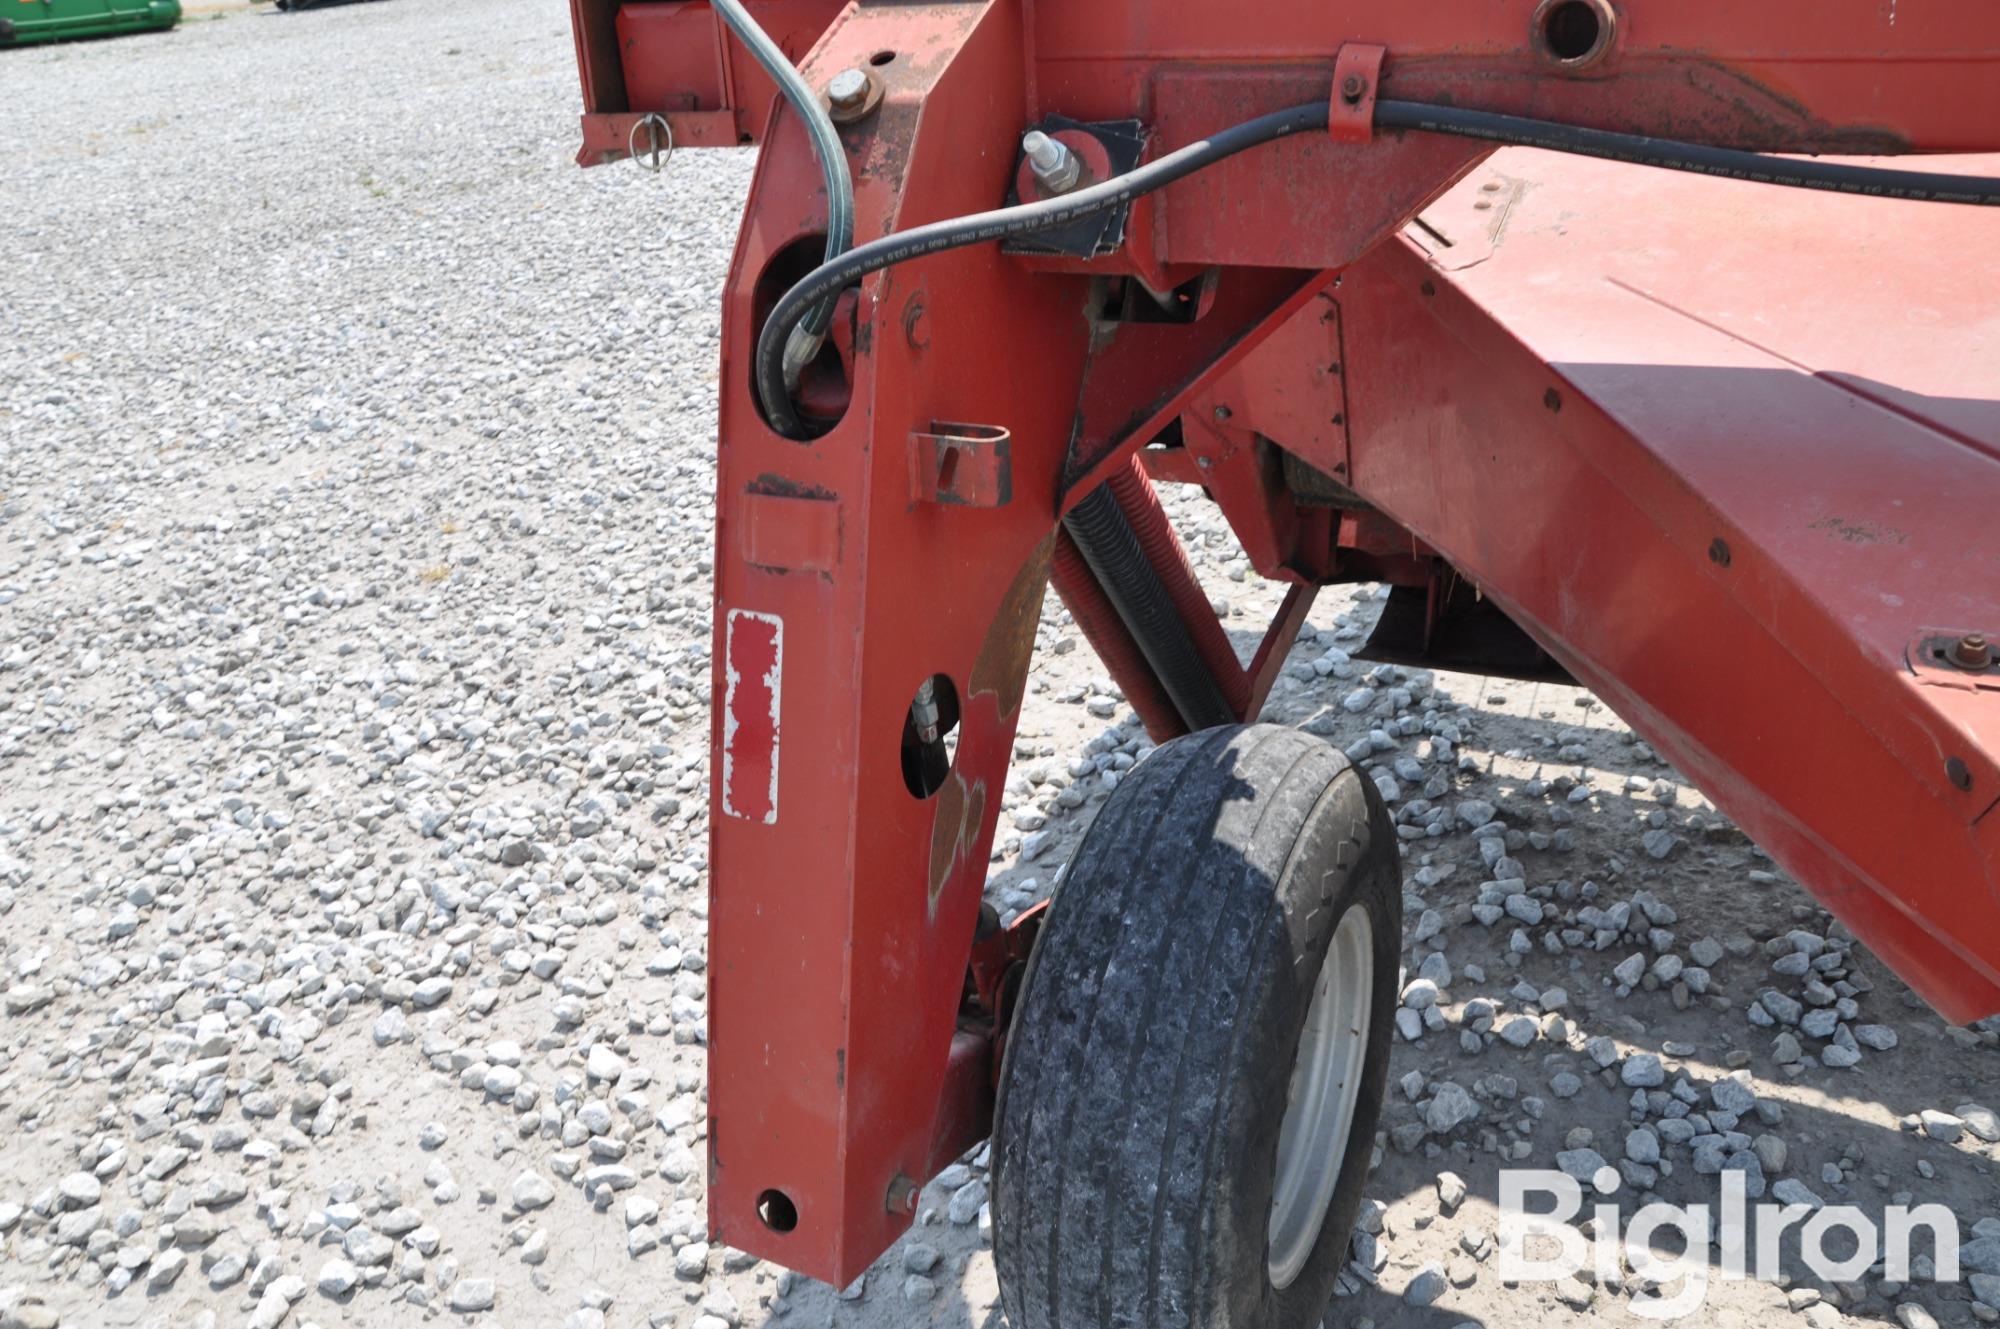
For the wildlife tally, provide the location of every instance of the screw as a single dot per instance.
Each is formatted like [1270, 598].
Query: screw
[1056, 168]
[847, 89]
[1972, 651]
[902, 1195]
[1352, 87]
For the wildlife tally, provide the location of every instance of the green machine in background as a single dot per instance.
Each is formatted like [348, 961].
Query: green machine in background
[23, 21]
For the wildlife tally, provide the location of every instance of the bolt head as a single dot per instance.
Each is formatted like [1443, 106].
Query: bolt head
[848, 88]
[903, 1192]
[1973, 651]
[1352, 87]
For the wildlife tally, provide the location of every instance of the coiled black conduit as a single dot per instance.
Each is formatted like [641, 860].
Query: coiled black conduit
[1110, 546]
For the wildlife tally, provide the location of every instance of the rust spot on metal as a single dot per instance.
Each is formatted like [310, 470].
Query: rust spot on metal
[1860, 532]
[1000, 672]
[770, 482]
[955, 826]
[1954, 658]
[1734, 110]
[1002, 665]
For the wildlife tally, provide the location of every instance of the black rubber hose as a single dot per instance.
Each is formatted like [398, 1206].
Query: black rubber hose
[1111, 548]
[999, 224]
[1492, 126]
[1669, 154]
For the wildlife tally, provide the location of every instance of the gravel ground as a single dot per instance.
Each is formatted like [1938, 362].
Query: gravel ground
[355, 514]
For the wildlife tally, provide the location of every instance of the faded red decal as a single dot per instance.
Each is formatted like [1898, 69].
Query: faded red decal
[753, 671]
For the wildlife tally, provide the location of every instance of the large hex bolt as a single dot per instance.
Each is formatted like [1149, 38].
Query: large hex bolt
[1056, 168]
[847, 90]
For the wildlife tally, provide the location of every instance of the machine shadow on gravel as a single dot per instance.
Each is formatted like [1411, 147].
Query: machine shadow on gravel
[1704, 879]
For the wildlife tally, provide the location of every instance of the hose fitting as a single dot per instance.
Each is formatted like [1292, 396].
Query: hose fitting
[800, 350]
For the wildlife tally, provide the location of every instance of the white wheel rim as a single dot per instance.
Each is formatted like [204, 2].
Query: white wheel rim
[1326, 1083]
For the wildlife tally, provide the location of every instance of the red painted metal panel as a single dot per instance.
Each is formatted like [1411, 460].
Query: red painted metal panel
[675, 55]
[675, 58]
[839, 934]
[1780, 75]
[1634, 421]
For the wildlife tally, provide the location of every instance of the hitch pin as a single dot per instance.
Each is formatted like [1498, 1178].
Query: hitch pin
[659, 148]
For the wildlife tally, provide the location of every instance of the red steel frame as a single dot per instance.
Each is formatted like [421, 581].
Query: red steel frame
[1740, 543]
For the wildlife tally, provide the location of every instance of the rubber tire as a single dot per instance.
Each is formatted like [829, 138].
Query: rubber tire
[1146, 1072]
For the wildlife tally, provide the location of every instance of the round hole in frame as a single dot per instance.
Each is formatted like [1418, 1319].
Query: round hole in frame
[1574, 33]
[930, 736]
[776, 1210]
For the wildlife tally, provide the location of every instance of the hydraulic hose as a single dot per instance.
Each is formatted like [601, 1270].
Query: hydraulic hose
[804, 338]
[826, 282]
[814, 293]
[1669, 154]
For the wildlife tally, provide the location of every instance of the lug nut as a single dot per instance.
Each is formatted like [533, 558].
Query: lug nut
[848, 89]
[1056, 168]
[1972, 651]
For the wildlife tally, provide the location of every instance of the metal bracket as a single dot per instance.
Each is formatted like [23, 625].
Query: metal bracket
[970, 466]
[1952, 660]
[790, 532]
[1108, 148]
[1357, 73]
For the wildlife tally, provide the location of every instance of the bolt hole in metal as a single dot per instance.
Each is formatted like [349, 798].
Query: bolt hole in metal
[777, 1211]
[1574, 33]
[1319, 1107]
[881, 58]
[930, 736]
